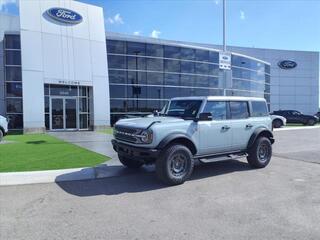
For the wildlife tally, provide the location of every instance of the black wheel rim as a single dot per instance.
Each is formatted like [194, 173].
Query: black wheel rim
[178, 165]
[263, 152]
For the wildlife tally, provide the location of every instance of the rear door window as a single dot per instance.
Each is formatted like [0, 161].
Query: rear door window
[239, 110]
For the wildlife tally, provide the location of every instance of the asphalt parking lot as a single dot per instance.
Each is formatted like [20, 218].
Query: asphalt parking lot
[222, 201]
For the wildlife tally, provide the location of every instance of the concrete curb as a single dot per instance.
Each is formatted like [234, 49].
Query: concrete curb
[295, 128]
[74, 174]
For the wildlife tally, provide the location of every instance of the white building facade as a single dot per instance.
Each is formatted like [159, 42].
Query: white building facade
[60, 70]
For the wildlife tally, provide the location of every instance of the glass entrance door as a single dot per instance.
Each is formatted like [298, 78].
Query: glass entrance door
[64, 114]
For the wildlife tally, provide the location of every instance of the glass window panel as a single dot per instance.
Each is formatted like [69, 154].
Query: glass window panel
[217, 109]
[187, 80]
[136, 48]
[187, 53]
[136, 63]
[247, 63]
[136, 92]
[154, 64]
[172, 65]
[171, 79]
[214, 70]
[83, 105]
[13, 74]
[202, 68]
[59, 90]
[84, 124]
[13, 57]
[171, 92]
[187, 67]
[115, 46]
[155, 78]
[83, 91]
[215, 92]
[154, 50]
[15, 121]
[46, 104]
[14, 105]
[267, 68]
[118, 62]
[154, 92]
[202, 55]
[171, 52]
[239, 110]
[12, 42]
[213, 82]
[247, 74]
[202, 81]
[187, 92]
[155, 105]
[137, 77]
[118, 105]
[47, 121]
[116, 76]
[14, 89]
[117, 91]
[46, 89]
[214, 57]
[137, 105]
[201, 92]
[259, 109]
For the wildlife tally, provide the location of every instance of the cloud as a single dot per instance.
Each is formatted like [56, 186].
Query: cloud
[242, 15]
[116, 19]
[155, 34]
[4, 4]
[137, 33]
[217, 2]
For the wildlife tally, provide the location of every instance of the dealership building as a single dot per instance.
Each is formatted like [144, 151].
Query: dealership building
[61, 70]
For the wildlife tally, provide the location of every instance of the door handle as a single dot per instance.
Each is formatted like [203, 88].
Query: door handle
[249, 125]
[225, 127]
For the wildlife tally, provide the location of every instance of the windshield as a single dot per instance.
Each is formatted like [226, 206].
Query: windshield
[184, 108]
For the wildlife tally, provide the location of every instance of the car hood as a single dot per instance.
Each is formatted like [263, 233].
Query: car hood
[146, 121]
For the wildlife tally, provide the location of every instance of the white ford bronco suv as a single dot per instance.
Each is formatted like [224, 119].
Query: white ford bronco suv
[207, 129]
[3, 127]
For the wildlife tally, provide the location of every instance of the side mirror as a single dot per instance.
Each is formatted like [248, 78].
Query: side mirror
[156, 113]
[205, 116]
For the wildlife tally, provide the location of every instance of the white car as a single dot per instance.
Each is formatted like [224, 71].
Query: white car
[278, 121]
[3, 127]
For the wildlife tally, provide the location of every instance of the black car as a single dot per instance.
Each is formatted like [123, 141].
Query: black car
[293, 116]
[317, 115]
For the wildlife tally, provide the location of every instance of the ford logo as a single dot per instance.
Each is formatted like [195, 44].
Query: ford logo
[287, 64]
[65, 15]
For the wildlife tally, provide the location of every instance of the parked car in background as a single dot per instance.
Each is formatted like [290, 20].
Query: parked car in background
[294, 116]
[3, 127]
[318, 115]
[208, 129]
[278, 121]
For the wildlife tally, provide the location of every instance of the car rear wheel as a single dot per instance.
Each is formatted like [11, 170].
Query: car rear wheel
[277, 123]
[1, 135]
[260, 153]
[175, 166]
[130, 163]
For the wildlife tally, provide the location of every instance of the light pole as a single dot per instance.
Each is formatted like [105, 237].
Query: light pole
[224, 26]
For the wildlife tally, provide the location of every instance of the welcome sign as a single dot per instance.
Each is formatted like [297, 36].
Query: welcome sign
[64, 15]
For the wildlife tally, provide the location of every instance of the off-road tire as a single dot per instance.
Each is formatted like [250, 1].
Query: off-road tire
[167, 165]
[256, 158]
[1, 135]
[277, 123]
[130, 163]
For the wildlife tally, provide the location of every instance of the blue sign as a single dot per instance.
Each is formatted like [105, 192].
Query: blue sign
[65, 15]
[287, 64]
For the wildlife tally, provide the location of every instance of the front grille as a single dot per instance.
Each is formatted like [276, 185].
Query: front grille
[127, 134]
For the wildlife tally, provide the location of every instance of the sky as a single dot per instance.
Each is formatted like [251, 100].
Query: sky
[278, 24]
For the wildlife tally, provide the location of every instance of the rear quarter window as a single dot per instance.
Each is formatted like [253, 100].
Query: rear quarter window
[259, 109]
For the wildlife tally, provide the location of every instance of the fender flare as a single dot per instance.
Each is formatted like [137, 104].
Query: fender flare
[171, 137]
[258, 132]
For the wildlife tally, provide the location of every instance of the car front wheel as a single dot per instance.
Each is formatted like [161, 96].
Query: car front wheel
[130, 163]
[260, 153]
[311, 122]
[175, 166]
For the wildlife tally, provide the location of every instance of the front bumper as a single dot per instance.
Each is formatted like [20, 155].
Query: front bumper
[139, 153]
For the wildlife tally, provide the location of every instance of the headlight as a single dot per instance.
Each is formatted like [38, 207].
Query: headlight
[146, 136]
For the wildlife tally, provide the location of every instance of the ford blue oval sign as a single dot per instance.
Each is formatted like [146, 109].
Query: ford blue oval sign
[287, 64]
[64, 15]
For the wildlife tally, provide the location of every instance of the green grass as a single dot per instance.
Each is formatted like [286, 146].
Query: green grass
[107, 131]
[44, 152]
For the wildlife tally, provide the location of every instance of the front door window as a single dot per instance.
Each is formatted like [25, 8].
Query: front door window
[57, 114]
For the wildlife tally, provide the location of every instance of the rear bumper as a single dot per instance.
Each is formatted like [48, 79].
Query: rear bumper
[140, 153]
